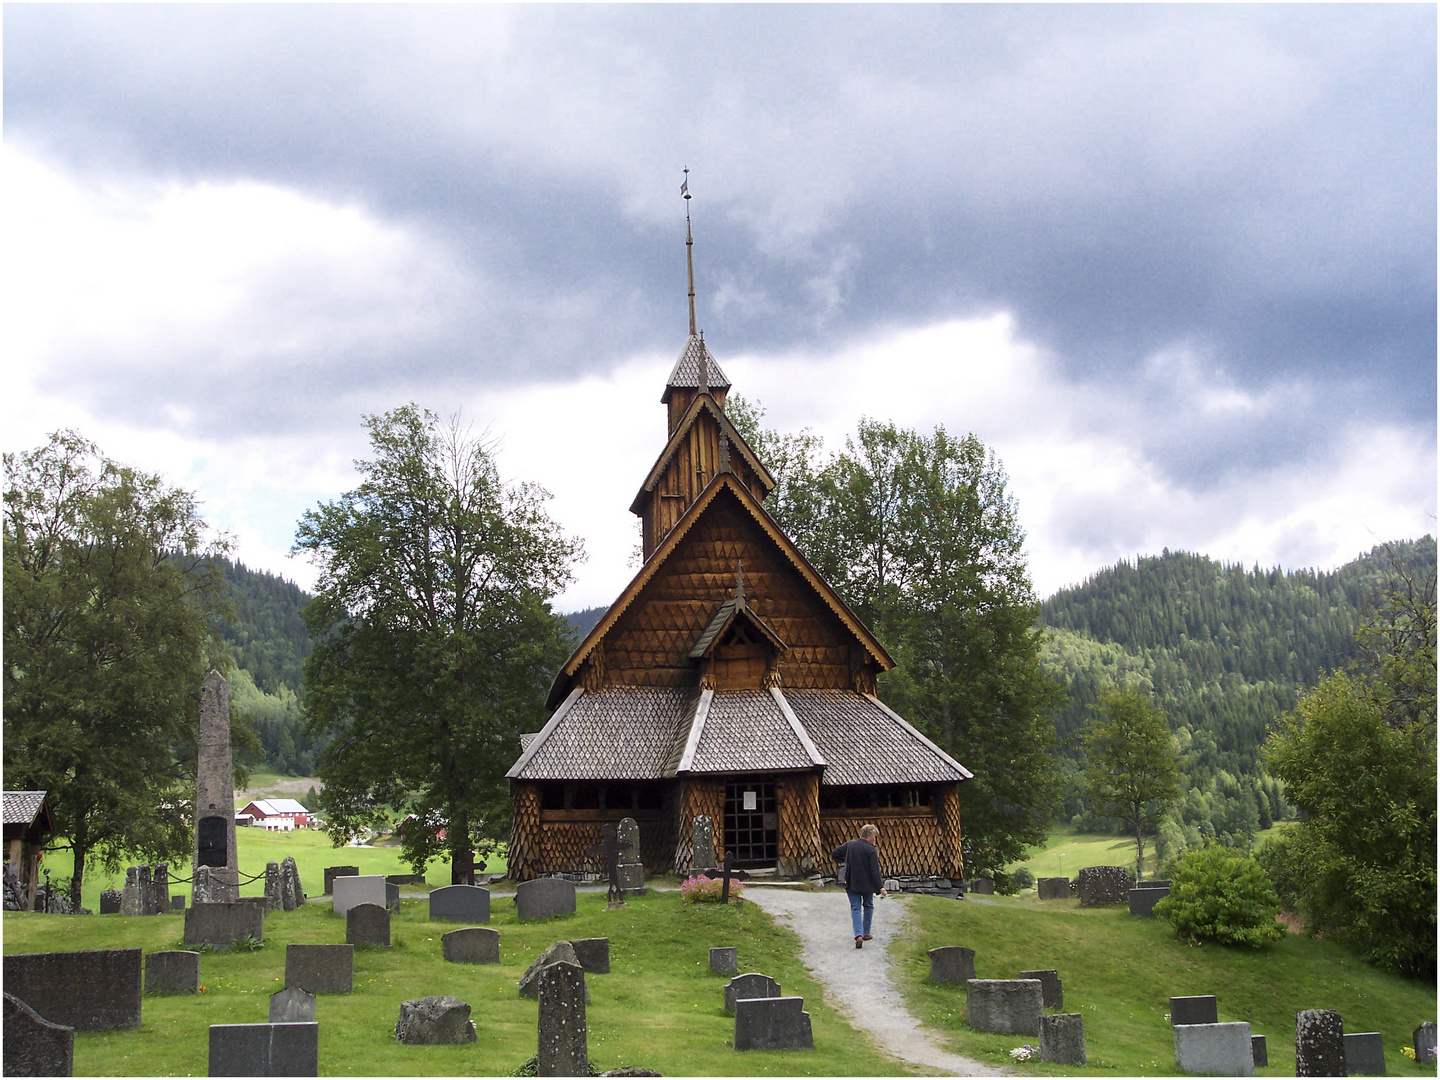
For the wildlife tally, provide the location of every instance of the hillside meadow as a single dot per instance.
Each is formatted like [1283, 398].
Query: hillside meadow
[1067, 851]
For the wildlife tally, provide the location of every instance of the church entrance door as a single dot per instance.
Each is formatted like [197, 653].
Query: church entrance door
[752, 825]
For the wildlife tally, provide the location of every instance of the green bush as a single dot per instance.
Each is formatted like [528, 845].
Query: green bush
[1223, 896]
[1022, 878]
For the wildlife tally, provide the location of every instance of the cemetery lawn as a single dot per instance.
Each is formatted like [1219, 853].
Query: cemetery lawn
[1120, 972]
[660, 1007]
[1067, 851]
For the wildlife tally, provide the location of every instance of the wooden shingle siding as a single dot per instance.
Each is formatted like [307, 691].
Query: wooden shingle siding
[909, 843]
[526, 845]
[699, 797]
[799, 839]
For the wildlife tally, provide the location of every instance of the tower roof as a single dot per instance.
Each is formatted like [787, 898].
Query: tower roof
[685, 375]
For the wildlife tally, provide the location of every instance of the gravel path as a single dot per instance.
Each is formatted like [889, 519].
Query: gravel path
[857, 981]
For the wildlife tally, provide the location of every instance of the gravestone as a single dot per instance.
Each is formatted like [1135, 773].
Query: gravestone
[751, 985]
[632, 869]
[1200, 1009]
[90, 990]
[1423, 1043]
[982, 886]
[160, 890]
[332, 872]
[1103, 885]
[367, 924]
[702, 844]
[469, 904]
[292, 1006]
[147, 890]
[544, 898]
[952, 964]
[462, 869]
[320, 969]
[1062, 1038]
[110, 901]
[272, 887]
[1364, 1054]
[221, 925]
[724, 961]
[291, 894]
[405, 879]
[1144, 899]
[357, 889]
[1214, 1049]
[593, 954]
[1053, 888]
[203, 889]
[472, 945]
[130, 892]
[215, 796]
[442, 1020]
[1052, 993]
[563, 1046]
[1259, 1052]
[392, 896]
[777, 1023]
[562, 952]
[172, 972]
[33, 1045]
[1319, 1043]
[1006, 1006]
[265, 1049]
[177, 902]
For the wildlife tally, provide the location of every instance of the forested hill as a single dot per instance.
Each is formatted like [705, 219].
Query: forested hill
[267, 636]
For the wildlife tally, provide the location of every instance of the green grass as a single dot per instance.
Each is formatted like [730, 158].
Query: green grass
[1067, 851]
[1120, 972]
[660, 1007]
[312, 852]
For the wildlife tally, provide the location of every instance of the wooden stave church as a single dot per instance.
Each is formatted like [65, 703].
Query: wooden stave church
[728, 679]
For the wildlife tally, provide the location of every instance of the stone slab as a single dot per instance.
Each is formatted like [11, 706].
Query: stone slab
[265, 1049]
[1103, 885]
[544, 898]
[750, 985]
[468, 904]
[172, 972]
[332, 872]
[177, 902]
[320, 969]
[349, 890]
[777, 1023]
[221, 925]
[1319, 1043]
[1214, 1049]
[1259, 1051]
[89, 990]
[724, 960]
[1052, 991]
[952, 964]
[1422, 1041]
[562, 952]
[1196, 1009]
[367, 924]
[442, 1020]
[593, 954]
[1062, 1038]
[471, 945]
[1364, 1054]
[562, 1036]
[1053, 888]
[1143, 901]
[292, 1006]
[1006, 1006]
[982, 886]
[33, 1046]
[110, 901]
[392, 896]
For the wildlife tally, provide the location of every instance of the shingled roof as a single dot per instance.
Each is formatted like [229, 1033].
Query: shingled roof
[22, 807]
[685, 375]
[864, 742]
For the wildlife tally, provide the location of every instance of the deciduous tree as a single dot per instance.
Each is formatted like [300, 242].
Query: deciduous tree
[1130, 763]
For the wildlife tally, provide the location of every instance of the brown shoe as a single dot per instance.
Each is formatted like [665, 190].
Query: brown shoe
[868, 937]
[859, 942]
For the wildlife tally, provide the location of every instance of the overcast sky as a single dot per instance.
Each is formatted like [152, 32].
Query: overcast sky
[1175, 265]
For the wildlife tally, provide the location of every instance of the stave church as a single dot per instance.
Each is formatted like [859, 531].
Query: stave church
[728, 679]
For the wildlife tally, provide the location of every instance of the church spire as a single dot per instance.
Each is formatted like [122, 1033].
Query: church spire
[689, 245]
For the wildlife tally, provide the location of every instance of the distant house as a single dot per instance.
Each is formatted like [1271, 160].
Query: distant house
[277, 815]
[28, 826]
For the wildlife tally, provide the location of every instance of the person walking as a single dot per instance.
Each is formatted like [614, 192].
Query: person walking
[861, 865]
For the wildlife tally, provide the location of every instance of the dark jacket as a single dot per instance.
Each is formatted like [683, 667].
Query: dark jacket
[862, 866]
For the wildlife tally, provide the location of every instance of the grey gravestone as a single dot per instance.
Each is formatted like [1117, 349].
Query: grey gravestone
[406, 879]
[778, 1023]
[724, 961]
[33, 1045]
[1259, 1052]
[562, 952]
[983, 886]
[1052, 992]
[172, 973]
[472, 945]
[272, 887]
[265, 1049]
[214, 847]
[435, 1021]
[222, 925]
[1214, 1049]
[1007, 1006]
[632, 869]
[702, 845]
[177, 902]
[110, 902]
[320, 969]
[1053, 888]
[593, 954]
[1143, 901]
[953, 964]
[130, 892]
[744, 987]
[204, 889]
[147, 891]
[563, 1048]
[1103, 885]
[91, 990]
[332, 872]
[1364, 1054]
[1319, 1043]
[291, 894]
[1062, 1038]
[1423, 1043]
[357, 889]
[367, 924]
[544, 898]
[292, 1006]
[1200, 1009]
[392, 896]
[160, 890]
[468, 904]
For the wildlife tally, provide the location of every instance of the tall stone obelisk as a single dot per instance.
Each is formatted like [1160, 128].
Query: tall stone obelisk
[216, 866]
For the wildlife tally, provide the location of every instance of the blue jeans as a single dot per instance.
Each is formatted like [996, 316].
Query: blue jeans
[856, 901]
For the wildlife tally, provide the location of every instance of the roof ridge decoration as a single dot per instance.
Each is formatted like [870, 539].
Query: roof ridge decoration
[545, 732]
[726, 614]
[799, 728]
[697, 729]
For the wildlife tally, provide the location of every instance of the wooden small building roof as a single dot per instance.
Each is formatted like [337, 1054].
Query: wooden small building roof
[685, 375]
[24, 809]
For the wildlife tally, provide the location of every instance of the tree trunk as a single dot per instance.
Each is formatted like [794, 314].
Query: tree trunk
[1139, 849]
[79, 846]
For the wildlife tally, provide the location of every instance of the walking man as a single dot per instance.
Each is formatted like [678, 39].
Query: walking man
[861, 869]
